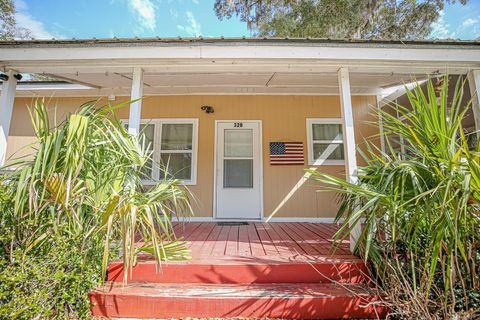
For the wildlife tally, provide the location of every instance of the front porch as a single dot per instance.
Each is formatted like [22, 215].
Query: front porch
[254, 270]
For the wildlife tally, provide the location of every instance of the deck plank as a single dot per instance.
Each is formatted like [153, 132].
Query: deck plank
[255, 243]
[282, 248]
[178, 229]
[221, 243]
[243, 242]
[267, 243]
[329, 235]
[328, 230]
[324, 238]
[186, 229]
[232, 242]
[200, 236]
[297, 237]
[318, 242]
[197, 233]
[331, 230]
[292, 245]
[209, 243]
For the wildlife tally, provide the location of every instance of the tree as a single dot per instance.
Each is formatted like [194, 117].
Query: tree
[379, 19]
[9, 29]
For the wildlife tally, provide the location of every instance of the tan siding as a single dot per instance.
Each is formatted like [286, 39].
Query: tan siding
[283, 119]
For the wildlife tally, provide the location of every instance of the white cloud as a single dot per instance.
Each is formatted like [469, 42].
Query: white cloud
[173, 13]
[196, 1]
[26, 20]
[468, 28]
[20, 5]
[37, 28]
[469, 22]
[441, 29]
[193, 28]
[144, 11]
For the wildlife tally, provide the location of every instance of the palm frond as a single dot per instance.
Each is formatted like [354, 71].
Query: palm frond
[422, 205]
[88, 170]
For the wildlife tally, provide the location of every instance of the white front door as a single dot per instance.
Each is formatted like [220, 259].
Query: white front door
[238, 175]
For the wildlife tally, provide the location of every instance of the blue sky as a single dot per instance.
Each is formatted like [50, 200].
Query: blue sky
[171, 18]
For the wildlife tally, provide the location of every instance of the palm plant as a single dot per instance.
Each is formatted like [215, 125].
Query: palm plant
[419, 209]
[85, 178]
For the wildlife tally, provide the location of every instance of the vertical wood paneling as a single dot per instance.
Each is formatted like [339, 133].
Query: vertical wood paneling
[283, 119]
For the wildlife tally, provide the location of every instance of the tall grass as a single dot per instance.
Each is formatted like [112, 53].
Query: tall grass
[420, 209]
[85, 178]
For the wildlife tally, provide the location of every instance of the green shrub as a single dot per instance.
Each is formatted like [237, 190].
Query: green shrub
[420, 210]
[51, 283]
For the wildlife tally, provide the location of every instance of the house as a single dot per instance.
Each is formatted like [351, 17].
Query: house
[238, 120]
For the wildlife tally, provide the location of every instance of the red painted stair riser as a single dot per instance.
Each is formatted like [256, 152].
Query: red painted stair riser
[272, 273]
[261, 307]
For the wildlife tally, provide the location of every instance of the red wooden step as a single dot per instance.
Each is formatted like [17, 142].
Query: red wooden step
[328, 270]
[319, 301]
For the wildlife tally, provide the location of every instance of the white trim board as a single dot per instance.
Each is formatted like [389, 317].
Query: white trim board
[239, 51]
[278, 219]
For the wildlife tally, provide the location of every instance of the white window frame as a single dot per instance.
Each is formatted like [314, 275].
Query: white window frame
[159, 122]
[310, 141]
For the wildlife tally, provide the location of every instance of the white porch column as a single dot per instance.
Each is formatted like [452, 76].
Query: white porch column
[136, 107]
[349, 138]
[474, 84]
[7, 98]
[380, 122]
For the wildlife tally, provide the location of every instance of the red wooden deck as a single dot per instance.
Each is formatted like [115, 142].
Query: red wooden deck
[284, 270]
[262, 241]
[253, 253]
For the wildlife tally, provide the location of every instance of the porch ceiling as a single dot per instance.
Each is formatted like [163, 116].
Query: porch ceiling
[181, 83]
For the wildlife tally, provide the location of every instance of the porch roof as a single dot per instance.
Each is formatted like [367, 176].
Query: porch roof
[258, 40]
[179, 66]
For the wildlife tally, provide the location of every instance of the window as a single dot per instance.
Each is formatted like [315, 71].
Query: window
[238, 158]
[174, 145]
[325, 142]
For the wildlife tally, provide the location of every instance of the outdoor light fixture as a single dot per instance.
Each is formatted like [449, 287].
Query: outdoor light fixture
[4, 77]
[208, 109]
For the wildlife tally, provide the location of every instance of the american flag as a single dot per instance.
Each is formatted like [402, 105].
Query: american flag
[286, 153]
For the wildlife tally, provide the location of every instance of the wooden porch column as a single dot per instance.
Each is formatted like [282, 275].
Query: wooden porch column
[136, 107]
[7, 98]
[474, 84]
[349, 139]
